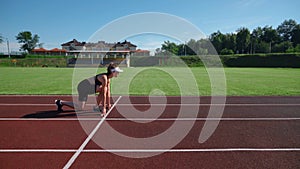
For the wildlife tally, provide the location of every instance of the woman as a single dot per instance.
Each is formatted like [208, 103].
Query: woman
[96, 84]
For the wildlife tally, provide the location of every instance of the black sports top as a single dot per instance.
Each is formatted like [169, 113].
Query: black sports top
[97, 82]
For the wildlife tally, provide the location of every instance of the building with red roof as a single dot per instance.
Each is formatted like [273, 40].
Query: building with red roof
[73, 45]
[141, 52]
[43, 51]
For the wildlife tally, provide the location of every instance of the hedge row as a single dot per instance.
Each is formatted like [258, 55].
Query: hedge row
[271, 60]
[258, 60]
[25, 56]
[34, 62]
[190, 61]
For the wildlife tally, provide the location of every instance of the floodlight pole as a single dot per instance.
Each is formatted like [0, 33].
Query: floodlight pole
[8, 48]
[184, 48]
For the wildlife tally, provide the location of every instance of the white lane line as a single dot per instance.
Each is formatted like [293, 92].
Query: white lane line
[171, 104]
[25, 104]
[206, 104]
[145, 150]
[195, 150]
[32, 104]
[153, 119]
[51, 119]
[71, 161]
[38, 150]
[201, 119]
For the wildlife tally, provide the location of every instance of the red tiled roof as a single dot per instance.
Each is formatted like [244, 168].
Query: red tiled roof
[45, 50]
[141, 51]
[75, 42]
[57, 50]
[128, 43]
[39, 50]
[123, 43]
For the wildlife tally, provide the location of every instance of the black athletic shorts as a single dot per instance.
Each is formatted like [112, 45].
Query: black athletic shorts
[85, 88]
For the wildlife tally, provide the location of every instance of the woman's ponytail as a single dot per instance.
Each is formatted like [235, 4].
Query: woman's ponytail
[110, 67]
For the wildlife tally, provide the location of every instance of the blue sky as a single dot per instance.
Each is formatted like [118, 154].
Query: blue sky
[59, 21]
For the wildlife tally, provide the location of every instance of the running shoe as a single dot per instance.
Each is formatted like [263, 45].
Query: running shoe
[97, 109]
[59, 105]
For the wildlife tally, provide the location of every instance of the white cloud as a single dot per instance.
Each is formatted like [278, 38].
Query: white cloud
[249, 3]
[13, 47]
[150, 41]
[51, 45]
[151, 46]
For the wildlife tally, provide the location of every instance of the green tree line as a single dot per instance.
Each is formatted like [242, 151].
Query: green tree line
[283, 39]
[27, 40]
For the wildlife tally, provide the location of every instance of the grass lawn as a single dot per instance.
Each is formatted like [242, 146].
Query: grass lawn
[154, 81]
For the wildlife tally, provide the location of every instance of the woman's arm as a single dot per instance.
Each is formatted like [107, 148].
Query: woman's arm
[103, 93]
[108, 95]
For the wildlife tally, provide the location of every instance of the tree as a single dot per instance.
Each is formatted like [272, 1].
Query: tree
[1, 38]
[217, 39]
[296, 35]
[282, 47]
[295, 49]
[229, 42]
[28, 43]
[190, 47]
[263, 47]
[285, 29]
[226, 51]
[255, 39]
[243, 40]
[170, 47]
[270, 36]
[204, 47]
[157, 51]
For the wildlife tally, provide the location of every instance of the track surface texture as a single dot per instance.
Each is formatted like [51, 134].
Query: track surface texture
[252, 132]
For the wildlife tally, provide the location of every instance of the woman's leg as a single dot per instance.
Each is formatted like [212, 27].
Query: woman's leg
[61, 103]
[99, 97]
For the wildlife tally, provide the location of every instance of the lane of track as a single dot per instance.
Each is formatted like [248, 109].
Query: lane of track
[69, 134]
[33, 160]
[169, 111]
[260, 134]
[90, 136]
[43, 134]
[49, 99]
[211, 160]
[229, 134]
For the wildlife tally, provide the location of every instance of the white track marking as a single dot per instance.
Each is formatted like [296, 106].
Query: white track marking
[51, 119]
[73, 158]
[198, 150]
[25, 104]
[152, 119]
[200, 119]
[147, 150]
[171, 104]
[206, 104]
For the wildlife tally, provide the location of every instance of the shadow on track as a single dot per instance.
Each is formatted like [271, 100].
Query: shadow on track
[51, 114]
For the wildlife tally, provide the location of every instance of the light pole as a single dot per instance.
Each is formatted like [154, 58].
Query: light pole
[8, 48]
[184, 48]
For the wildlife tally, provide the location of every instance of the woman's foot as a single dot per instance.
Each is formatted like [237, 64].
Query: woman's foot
[59, 105]
[97, 109]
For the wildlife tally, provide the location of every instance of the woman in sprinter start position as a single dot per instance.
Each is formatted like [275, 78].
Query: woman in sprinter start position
[96, 84]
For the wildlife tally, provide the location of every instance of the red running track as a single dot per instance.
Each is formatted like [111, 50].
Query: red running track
[254, 132]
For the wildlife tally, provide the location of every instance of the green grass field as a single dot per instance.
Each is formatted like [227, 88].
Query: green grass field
[154, 81]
